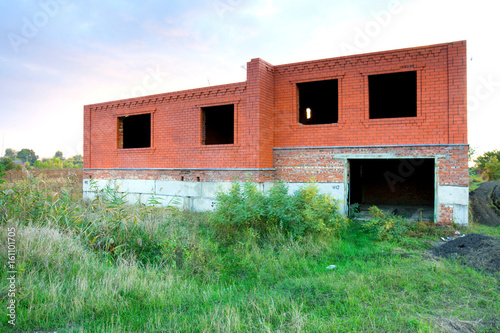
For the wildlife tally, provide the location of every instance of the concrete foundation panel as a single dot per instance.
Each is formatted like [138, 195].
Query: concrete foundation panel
[198, 196]
[453, 195]
[178, 188]
[461, 214]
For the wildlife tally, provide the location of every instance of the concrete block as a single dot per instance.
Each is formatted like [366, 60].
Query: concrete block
[137, 198]
[88, 195]
[453, 195]
[461, 214]
[210, 188]
[99, 183]
[179, 188]
[337, 190]
[135, 185]
[267, 186]
[202, 204]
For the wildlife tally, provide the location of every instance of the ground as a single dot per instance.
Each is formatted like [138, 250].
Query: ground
[478, 251]
[485, 204]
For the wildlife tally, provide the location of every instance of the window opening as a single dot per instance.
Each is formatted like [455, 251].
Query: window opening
[218, 125]
[134, 131]
[318, 102]
[393, 95]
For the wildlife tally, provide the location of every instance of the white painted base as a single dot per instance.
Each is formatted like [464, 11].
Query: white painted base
[200, 196]
[197, 196]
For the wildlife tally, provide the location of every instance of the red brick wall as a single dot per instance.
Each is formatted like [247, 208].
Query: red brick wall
[328, 164]
[176, 131]
[188, 175]
[260, 83]
[323, 164]
[441, 99]
[266, 116]
[445, 213]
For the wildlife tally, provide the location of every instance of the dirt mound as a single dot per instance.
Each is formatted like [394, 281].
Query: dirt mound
[485, 203]
[479, 251]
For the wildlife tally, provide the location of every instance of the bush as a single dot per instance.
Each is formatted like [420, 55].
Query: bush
[244, 212]
[386, 226]
[489, 164]
[7, 164]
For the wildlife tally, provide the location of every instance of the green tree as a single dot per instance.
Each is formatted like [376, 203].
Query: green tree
[59, 155]
[492, 168]
[482, 160]
[77, 159]
[10, 153]
[8, 164]
[489, 164]
[27, 155]
[57, 162]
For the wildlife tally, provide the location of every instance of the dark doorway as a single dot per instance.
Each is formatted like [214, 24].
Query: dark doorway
[403, 186]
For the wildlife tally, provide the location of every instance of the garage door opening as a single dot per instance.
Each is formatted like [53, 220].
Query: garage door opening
[398, 186]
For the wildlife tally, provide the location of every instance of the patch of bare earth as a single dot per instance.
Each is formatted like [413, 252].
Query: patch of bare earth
[478, 251]
[482, 253]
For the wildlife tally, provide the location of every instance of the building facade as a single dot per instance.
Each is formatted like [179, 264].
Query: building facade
[386, 128]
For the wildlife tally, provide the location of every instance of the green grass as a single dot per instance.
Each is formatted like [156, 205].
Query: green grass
[477, 228]
[194, 283]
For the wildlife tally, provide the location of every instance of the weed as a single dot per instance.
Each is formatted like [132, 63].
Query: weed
[2, 174]
[391, 227]
[246, 211]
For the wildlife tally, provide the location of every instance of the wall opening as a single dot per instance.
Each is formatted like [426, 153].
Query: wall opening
[134, 131]
[318, 102]
[218, 125]
[399, 186]
[393, 95]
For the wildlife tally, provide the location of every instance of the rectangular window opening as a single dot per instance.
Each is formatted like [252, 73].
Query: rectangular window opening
[218, 125]
[393, 95]
[134, 131]
[318, 102]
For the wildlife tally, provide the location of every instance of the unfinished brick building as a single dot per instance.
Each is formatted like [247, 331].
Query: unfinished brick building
[386, 129]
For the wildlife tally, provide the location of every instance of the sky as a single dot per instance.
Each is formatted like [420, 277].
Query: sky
[58, 55]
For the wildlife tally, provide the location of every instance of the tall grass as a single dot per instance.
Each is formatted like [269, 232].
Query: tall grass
[170, 271]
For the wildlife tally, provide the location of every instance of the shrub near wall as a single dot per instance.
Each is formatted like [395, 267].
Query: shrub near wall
[245, 211]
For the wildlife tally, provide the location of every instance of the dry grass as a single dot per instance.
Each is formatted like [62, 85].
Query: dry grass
[55, 176]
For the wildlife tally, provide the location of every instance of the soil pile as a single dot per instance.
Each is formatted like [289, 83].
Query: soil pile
[478, 251]
[485, 203]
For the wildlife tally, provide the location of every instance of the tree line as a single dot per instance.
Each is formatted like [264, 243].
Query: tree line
[27, 158]
[488, 165]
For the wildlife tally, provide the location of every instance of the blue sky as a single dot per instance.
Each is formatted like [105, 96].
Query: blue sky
[58, 55]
